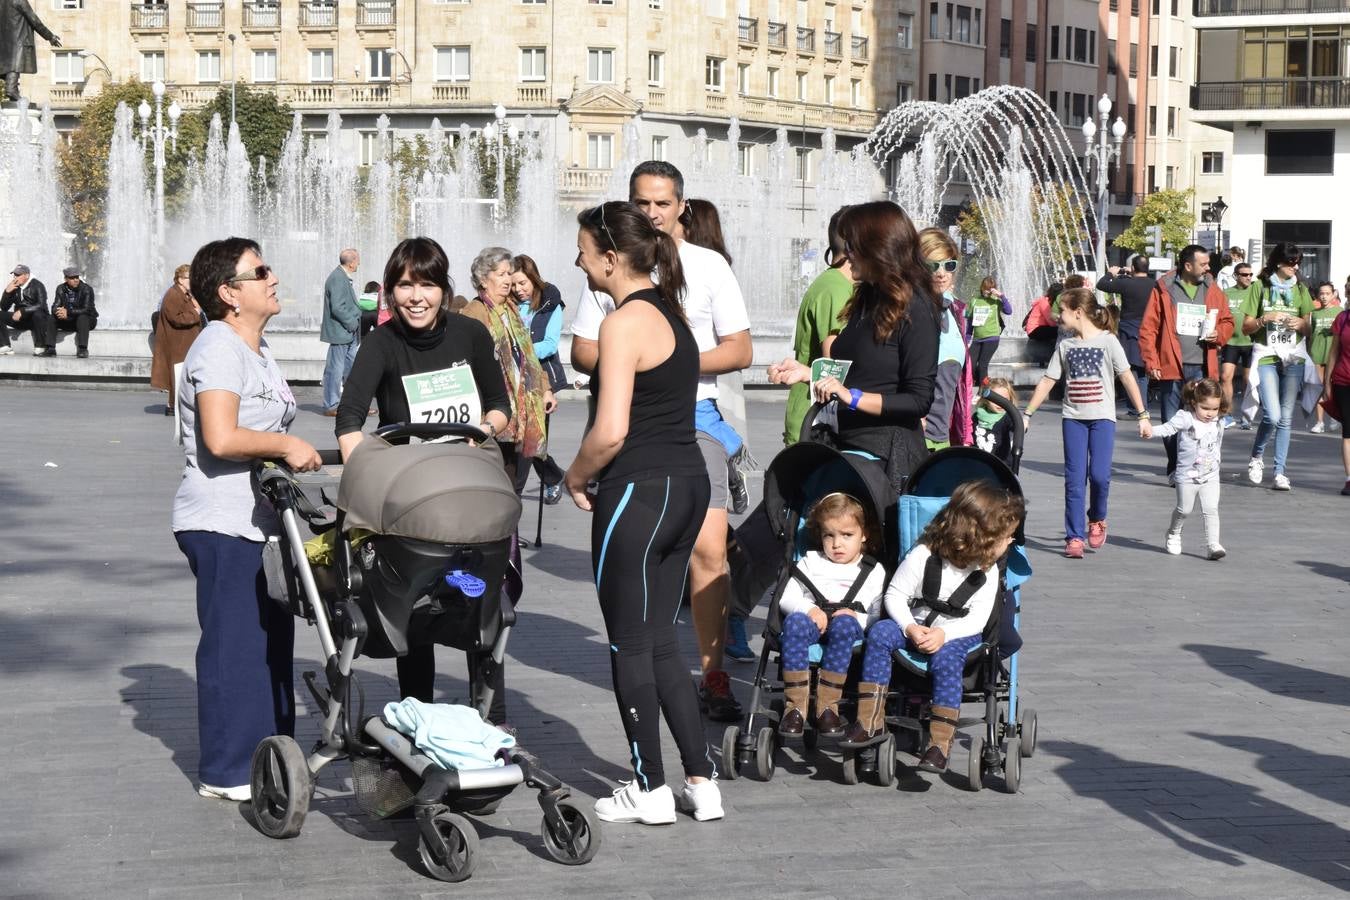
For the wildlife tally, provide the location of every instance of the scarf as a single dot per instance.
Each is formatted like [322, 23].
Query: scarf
[525, 379]
[1284, 290]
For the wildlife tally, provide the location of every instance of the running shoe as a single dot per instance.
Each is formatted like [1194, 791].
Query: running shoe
[1245, 424]
[738, 645]
[1256, 469]
[1217, 552]
[1172, 543]
[1281, 483]
[238, 794]
[1345, 491]
[704, 800]
[6, 351]
[629, 803]
[1227, 422]
[715, 696]
[740, 494]
[1318, 428]
[1096, 534]
[1073, 549]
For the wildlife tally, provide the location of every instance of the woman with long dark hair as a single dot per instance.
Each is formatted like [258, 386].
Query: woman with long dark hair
[541, 306]
[890, 336]
[703, 226]
[650, 495]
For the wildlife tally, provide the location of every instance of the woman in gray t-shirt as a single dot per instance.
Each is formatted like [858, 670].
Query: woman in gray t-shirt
[235, 407]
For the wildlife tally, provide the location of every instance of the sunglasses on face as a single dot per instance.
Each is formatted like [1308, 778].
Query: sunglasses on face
[257, 273]
[1244, 274]
[946, 265]
[1295, 262]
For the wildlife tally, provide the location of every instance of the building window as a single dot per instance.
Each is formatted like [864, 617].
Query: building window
[1153, 61]
[152, 66]
[856, 22]
[1031, 42]
[1111, 57]
[961, 88]
[1078, 114]
[743, 79]
[1211, 162]
[1005, 38]
[67, 67]
[370, 147]
[660, 147]
[1152, 121]
[1173, 61]
[1300, 152]
[801, 87]
[1171, 178]
[533, 63]
[963, 24]
[745, 159]
[657, 5]
[1054, 103]
[533, 2]
[1171, 121]
[453, 63]
[1152, 179]
[932, 87]
[829, 89]
[905, 32]
[1134, 7]
[208, 66]
[803, 14]
[712, 72]
[904, 92]
[599, 151]
[1134, 60]
[804, 164]
[68, 4]
[599, 65]
[773, 83]
[380, 64]
[656, 69]
[855, 93]
[1052, 52]
[264, 65]
[829, 17]
[321, 65]
[600, 2]
[933, 31]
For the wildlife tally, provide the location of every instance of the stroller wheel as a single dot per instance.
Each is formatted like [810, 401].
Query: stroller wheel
[281, 785]
[731, 769]
[885, 773]
[584, 841]
[1026, 729]
[454, 857]
[975, 772]
[850, 764]
[766, 743]
[1012, 766]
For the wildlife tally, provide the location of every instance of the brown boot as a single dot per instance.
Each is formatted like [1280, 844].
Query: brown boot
[829, 688]
[871, 714]
[941, 729]
[796, 694]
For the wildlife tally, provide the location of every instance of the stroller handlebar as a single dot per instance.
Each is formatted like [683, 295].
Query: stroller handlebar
[1019, 428]
[431, 431]
[330, 457]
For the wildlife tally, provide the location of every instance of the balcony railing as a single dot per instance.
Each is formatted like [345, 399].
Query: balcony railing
[1118, 199]
[1265, 7]
[834, 43]
[262, 16]
[532, 94]
[585, 181]
[205, 16]
[374, 13]
[1273, 93]
[747, 30]
[656, 99]
[149, 17]
[806, 40]
[716, 102]
[450, 93]
[778, 34]
[859, 47]
[318, 14]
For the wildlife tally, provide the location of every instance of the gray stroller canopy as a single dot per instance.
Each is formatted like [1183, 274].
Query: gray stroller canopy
[448, 493]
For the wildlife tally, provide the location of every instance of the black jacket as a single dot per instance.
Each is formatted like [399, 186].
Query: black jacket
[76, 300]
[28, 299]
[1134, 292]
[552, 305]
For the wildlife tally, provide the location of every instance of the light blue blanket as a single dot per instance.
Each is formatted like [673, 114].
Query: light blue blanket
[454, 736]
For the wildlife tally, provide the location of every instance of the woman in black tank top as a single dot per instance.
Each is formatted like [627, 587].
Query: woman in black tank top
[639, 470]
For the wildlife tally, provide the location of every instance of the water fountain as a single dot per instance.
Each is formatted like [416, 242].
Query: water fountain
[30, 214]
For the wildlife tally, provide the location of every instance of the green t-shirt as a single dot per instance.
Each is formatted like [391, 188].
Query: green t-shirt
[817, 319]
[986, 317]
[1236, 297]
[1319, 340]
[1189, 288]
[1261, 302]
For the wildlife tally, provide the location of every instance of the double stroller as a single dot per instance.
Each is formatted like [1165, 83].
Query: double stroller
[420, 545]
[798, 477]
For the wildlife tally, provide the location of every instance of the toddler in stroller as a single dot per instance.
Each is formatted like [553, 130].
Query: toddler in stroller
[422, 535]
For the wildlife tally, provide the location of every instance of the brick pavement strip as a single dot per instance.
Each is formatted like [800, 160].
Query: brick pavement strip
[1194, 715]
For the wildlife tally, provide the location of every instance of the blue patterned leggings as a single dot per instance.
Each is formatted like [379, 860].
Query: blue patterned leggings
[799, 633]
[945, 666]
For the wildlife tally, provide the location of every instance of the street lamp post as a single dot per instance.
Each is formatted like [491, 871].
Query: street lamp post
[500, 132]
[1217, 209]
[234, 76]
[1101, 152]
[158, 137]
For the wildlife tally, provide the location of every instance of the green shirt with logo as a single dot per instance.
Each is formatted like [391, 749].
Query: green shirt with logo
[1236, 297]
[1298, 303]
[986, 317]
[817, 319]
[1319, 339]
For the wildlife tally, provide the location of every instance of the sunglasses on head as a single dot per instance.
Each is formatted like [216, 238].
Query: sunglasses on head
[257, 273]
[946, 265]
[604, 227]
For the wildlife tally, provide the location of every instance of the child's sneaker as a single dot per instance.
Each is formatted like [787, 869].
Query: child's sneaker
[1173, 543]
[237, 794]
[1073, 549]
[704, 800]
[1281, 483]
[1227, 422]
[1318, 428]
[738, 645]
[740, 492]
[1345, 491]
[1096, 534]
[1256, 469]
[1217, 552]
[629, 803]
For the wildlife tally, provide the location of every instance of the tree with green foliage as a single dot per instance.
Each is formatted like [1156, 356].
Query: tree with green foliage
[1055, 214]
[513, 157]
[83, 162]
[264, 121]
[1169, 208]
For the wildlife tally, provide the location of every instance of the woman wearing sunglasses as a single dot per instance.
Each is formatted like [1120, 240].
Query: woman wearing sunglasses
[235, 409]
[1277, 319]
[948, 421]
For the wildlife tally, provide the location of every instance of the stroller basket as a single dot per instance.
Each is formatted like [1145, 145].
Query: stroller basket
[383, 787]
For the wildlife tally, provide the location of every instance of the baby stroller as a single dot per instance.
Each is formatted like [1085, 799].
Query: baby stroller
[1008, 731]
[421, 541]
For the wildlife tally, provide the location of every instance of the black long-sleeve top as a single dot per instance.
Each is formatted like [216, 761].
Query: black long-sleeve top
[386, 355]
[1134, 292]
[27, 298]
[902, 369]
[78, 300]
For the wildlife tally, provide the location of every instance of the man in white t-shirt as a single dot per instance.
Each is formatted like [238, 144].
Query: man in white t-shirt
[716, 312]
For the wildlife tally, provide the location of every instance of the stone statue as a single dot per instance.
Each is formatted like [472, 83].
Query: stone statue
[18, 53]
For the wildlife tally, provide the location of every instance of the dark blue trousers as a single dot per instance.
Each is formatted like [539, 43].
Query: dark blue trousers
[1088, 444]
[244, 657]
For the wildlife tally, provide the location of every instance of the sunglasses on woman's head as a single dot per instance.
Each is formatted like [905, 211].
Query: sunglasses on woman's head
[257, 273]
[946, 265]
[605, 227]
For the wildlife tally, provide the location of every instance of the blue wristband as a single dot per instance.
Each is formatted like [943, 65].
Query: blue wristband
[854, 395]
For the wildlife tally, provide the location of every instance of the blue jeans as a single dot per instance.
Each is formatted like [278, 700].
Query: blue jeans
[1279, 385]
[1170, 392]
[1088, 444]
[336, 369]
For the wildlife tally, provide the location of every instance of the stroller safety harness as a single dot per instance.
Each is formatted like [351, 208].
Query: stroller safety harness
[850, 600]
[955, 605]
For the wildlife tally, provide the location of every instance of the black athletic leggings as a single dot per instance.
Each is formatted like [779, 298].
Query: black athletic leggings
[641, 536]
[981, 354]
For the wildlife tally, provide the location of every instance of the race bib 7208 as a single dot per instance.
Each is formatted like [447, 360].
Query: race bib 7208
[444, 396]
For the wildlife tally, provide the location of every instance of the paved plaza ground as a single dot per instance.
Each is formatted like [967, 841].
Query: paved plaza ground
[1194, 716]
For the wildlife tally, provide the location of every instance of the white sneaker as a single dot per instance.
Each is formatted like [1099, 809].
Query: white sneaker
[703, 799]
[38, 351]
[1217, 552]
[1333, 426]
[1318, 428]
[6, 351]
[1256, 468]
[239, 793]
[1281, 483]
[1173, 543]
[630, 803]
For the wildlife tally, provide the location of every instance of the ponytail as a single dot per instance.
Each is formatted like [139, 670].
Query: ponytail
[1107, 317]
[670, 275]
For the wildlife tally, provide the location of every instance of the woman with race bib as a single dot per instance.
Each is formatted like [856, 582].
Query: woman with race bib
[1277, 319]
[424, 365]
